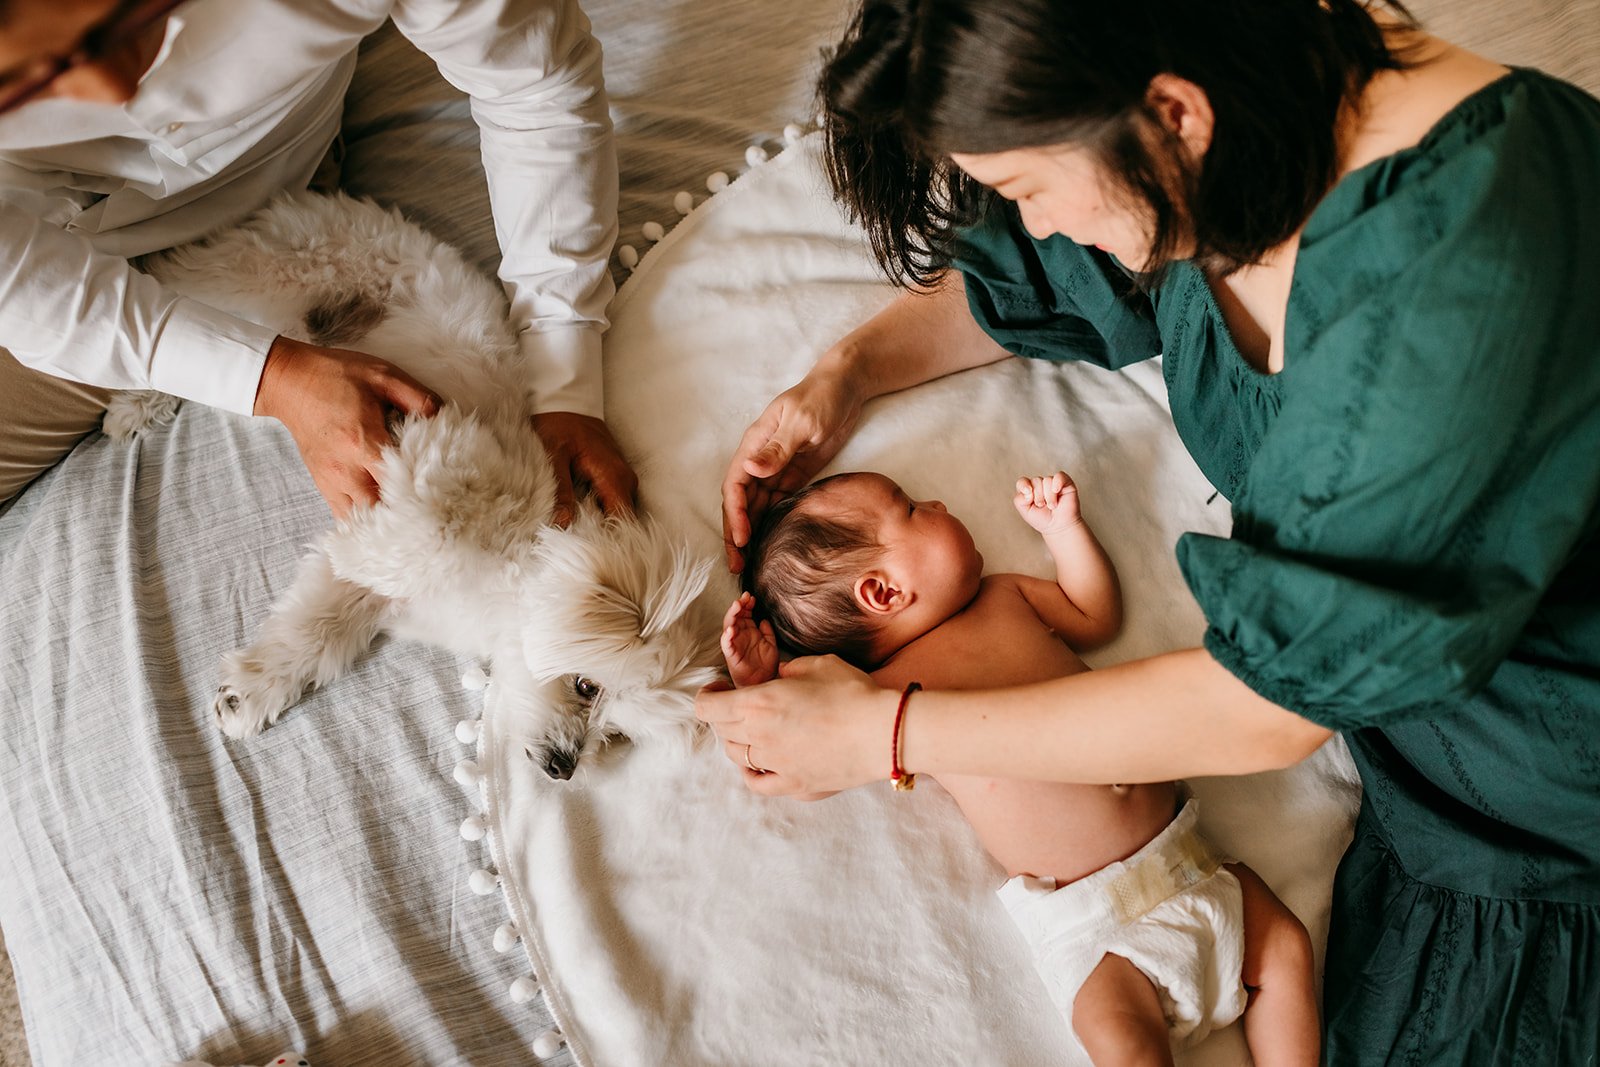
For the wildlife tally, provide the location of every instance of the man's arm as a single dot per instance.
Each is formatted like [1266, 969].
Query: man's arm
[76, 313]
[71, 311]
[533, 71]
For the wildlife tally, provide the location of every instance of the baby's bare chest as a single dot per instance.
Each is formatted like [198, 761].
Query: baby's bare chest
[995, 640]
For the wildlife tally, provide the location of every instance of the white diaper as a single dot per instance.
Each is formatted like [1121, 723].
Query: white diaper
[1170, 909]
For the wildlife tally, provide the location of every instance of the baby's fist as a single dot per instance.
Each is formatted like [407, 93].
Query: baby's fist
[750, 649]
[1048, 502]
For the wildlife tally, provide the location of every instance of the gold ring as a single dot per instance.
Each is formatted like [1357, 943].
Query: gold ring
[749, 763]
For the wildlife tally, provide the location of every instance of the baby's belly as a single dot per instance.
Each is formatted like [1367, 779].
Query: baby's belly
[1061, 831]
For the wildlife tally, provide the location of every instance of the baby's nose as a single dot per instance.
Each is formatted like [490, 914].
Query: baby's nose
[937, 505]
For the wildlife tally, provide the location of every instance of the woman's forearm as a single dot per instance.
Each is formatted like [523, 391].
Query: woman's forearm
[917, 338]
[1173, 716]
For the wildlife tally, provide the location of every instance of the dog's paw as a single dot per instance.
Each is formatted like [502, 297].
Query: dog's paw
[236, 715]
[130, 413]
[249, 699]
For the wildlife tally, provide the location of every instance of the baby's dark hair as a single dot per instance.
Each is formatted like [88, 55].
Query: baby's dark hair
[801, 568]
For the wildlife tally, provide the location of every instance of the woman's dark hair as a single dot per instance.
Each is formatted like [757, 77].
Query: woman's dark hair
[801, 568]
[914, 81]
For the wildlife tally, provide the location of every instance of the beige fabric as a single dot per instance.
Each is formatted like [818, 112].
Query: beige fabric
[41, 419]
[1560, 37]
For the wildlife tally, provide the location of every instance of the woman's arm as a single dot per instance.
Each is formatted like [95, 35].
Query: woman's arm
[824, 725]
[917, 338]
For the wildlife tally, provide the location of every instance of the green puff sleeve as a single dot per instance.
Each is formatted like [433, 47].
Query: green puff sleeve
[1052, 299]
[1434, 472]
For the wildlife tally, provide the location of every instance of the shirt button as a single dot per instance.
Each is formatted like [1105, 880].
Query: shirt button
[174, 127]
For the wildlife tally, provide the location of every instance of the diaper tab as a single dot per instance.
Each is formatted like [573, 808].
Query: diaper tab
[1177, 859]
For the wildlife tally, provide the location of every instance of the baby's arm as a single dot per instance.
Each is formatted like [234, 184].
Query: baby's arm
[751, 649]
[1084, 604]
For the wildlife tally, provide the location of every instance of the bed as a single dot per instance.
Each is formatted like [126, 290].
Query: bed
[170, 896]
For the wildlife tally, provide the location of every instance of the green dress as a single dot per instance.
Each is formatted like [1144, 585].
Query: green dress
[1415, 555]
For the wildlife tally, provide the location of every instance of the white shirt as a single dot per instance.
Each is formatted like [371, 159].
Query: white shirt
[242, 102]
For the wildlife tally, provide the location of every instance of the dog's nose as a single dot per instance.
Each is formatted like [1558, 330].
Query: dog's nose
[559, 764]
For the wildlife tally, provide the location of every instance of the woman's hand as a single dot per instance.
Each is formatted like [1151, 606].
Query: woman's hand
[822, 726]
[335, 404]
[918, 337]
[794, 438]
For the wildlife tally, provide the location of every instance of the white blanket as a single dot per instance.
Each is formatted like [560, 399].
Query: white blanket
[672, 917]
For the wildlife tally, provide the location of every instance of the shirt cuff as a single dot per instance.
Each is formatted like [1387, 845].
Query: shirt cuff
[210, 357]
[564, 370]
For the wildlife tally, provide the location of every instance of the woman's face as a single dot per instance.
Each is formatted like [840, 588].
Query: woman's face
[1063, 190]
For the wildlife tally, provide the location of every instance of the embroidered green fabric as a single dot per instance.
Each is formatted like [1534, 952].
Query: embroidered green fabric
[1415, 559]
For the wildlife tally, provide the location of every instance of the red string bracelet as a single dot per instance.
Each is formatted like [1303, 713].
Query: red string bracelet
[902, 779]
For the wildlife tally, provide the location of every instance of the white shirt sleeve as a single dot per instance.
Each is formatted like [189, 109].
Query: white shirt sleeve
[533, 71]
[76, 313]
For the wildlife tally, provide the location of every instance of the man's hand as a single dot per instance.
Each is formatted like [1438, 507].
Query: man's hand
[583, 452]
[335, 404]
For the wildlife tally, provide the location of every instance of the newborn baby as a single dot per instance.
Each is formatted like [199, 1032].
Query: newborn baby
[1145, 938]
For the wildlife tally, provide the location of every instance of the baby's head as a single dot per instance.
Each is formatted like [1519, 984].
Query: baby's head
[852, 566]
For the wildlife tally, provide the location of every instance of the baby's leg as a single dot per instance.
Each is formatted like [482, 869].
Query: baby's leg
[1117, 1015]
[1281, 1023]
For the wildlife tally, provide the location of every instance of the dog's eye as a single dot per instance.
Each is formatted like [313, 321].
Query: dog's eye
[585, 688]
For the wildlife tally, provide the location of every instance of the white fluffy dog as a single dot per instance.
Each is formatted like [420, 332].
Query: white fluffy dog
[593, 631]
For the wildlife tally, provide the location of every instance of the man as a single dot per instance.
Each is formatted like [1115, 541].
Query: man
[128, 126]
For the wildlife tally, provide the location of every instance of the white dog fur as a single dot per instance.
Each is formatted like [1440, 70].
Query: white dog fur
[593, 631]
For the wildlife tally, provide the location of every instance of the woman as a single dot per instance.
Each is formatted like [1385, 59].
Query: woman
[1370, 260]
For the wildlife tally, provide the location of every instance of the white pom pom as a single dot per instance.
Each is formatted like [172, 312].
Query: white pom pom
[716, 181]
[653, 231]
[505, 937]
[755, 155]
[524, 989]
[472, 828]
[628, 256]
[547, 1043]
[483, 882]
[467, 731]
[792, 133]
[467, 773]
[683, 203]
[475, 679]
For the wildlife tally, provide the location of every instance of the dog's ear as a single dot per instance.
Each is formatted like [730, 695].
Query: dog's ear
[667, 603]
[604, 591]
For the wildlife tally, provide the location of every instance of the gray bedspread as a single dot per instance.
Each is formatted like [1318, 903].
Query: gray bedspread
[169, 894]
[165, 894]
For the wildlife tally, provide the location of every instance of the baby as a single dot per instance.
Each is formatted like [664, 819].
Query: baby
[1145, 938]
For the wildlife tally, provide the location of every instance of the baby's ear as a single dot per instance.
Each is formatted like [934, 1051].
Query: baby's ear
[876, 594]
